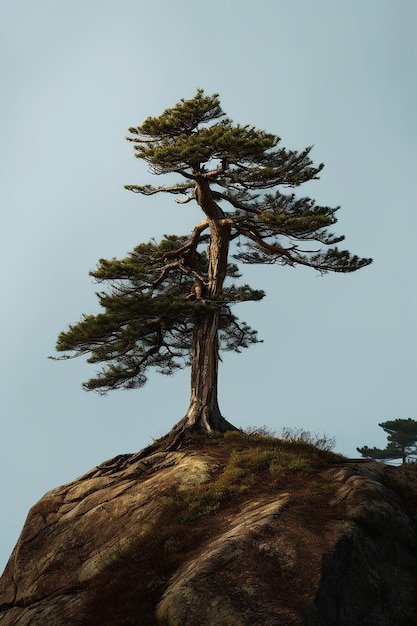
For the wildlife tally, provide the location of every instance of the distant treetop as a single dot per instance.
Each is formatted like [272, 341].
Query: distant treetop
[402, 441]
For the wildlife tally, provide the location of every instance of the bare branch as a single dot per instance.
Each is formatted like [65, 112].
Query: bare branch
[270, 247]
[148, 190]
[185, 174]
[236, 203]
[165, 271]
[191, 244]
[188, 199]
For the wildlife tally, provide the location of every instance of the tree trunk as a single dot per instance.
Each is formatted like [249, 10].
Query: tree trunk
[203, 414]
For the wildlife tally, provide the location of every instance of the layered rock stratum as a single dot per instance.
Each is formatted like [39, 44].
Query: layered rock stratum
[235, 531]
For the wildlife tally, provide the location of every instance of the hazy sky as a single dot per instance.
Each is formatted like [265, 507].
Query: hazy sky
[339, 352]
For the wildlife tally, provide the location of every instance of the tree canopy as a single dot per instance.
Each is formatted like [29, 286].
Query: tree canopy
[402, 441]
[168, 304]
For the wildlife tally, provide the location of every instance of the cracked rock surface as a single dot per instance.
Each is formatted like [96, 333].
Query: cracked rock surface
[191, 538]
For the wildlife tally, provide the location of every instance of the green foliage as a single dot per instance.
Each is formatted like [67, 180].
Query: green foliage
[243, 161]
[158, 295]
[150, 316]
[402, 440]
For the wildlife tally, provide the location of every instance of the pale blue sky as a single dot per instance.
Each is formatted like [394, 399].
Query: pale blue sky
[340, 351]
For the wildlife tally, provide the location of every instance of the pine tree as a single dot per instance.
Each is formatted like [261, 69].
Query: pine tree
[402, 441]
[168, 303]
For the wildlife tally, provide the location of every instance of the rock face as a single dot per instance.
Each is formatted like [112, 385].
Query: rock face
[239, 531]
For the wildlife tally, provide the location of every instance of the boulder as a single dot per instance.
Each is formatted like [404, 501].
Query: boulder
[236, 531]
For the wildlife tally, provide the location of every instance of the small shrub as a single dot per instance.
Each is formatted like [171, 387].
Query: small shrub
[259, 431]
[295, 435]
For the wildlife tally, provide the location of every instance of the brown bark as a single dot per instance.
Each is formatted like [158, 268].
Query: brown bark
[204, 414]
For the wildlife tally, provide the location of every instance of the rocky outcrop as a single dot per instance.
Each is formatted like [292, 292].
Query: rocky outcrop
[238, 531]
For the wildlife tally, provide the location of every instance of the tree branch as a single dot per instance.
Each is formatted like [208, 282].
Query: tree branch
[191, 244]
[148, 190]
[270, 247]
[235, 203]
[165, 271]
[185, 174]
[191, 197]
